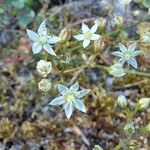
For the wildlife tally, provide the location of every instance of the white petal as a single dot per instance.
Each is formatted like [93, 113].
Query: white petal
[79, 37]
[94, 28]
[132, 47]
[42, 31]
[49, 49]
[68, 109]
[95, 37]
[122, 61]
[80, 105]
[122, 47]
[57, 101]
[62, 89]
[136, 53]
[75, 87]
[53, 39]
[36, 48]
[86, 43]
[133, 62]
[85, 28]
[32, 35]
[82, 93]
[117, 53]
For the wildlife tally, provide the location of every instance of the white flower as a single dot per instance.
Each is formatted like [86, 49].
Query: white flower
[42, 40]
[44, 68]
[145, 37]
[125, 2]
[71, 98]
[116, 70]
[127, 54]
[122, 101]
[88, 34]
[143, 104]
[129, 128]
[45, 85]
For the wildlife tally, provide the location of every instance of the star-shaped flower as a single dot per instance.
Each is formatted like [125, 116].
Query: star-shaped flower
[88, 34]
[127, 54]
[42, 40]
[71, 98]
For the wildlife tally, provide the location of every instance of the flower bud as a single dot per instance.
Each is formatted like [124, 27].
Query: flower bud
[122, 101]
[145, 37]
[143, 104]
[44, 68]
[101, 22]
[97, 147]
[125, 2]
[119, 20]
[129, 128]
[65, 34]
[116, 70]
[133, 144]
[45, 85]
[99, 45]
[147, 128]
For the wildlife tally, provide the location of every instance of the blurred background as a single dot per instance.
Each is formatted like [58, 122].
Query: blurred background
[26, 122]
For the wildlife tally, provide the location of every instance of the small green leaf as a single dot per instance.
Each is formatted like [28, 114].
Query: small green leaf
[146, 3]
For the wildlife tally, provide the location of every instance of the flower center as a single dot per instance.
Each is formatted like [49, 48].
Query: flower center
[127, 55]
[42, 40]
[88, 35]
[69, 96]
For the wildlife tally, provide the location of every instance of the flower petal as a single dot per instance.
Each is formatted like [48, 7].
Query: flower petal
[68, 107]
[42, 31]
[86, 43]
[136, 53]
[36, 48]
[117, 53]
[122, 61]
[132, 47]
[133, 62]
[32, 35]
[57, 101]
[79, 37]
[95, 37]
[94, 28]
[62, 89]
[49, 49]
[53, 39]
[75, 87]
[79, 105]
[82, 93]
[122, 47]
[85, 28]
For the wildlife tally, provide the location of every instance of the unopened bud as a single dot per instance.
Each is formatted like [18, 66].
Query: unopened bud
[133, 144]
[129, 128]
[119, 20]
[45, 85]
[101, 22]
[122, 101]
[143, 104]
[65, 34]
[99, 45]
[97, 147]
